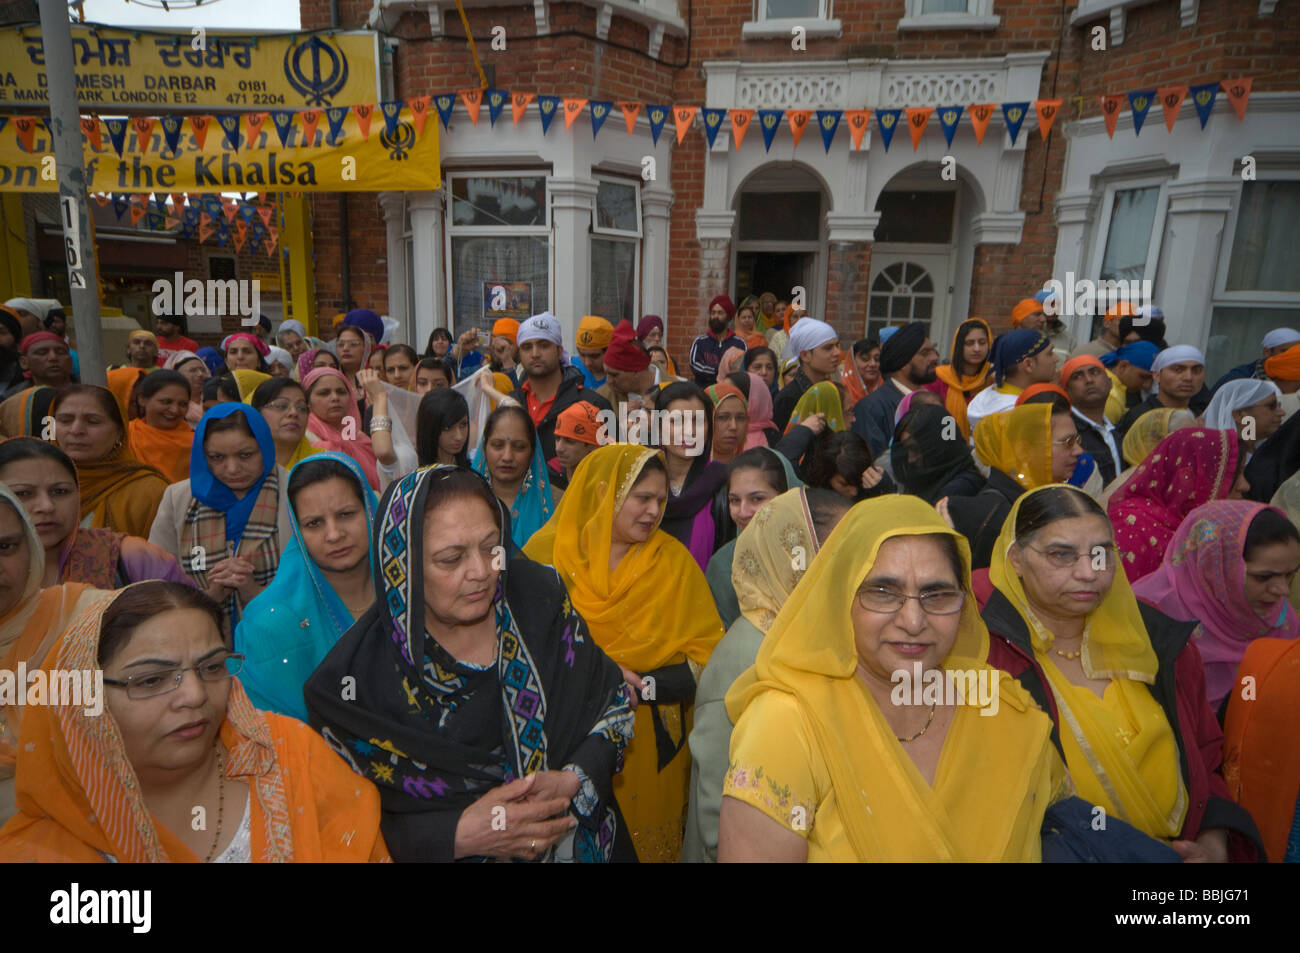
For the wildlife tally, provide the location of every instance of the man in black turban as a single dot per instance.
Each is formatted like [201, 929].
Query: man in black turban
[907, 362]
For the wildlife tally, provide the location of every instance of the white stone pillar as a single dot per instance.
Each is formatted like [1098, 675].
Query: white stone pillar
[573, 202]
[1194, 233]
[394, 208]
[1075, 212]
[656, 211]
[429, 282]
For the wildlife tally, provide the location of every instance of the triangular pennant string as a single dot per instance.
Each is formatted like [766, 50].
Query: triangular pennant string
[828, 121]
[740, 120]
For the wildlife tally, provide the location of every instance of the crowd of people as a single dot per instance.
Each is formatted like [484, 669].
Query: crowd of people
[504, 600]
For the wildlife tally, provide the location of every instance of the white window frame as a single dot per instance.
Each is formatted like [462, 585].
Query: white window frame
[762, 27]
[1151, 270]
[453, 230]
[1223, 298]
[621, 235]
[979, 15]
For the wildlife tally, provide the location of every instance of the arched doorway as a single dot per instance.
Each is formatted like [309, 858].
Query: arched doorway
[780, 240]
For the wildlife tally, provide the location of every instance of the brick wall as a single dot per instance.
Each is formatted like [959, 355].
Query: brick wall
[1229, 39]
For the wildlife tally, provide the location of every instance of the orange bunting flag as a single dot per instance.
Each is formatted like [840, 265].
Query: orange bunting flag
[473, 99]
[1048, 110]
[798, 123]
[143, 126]
[90, 128]
[142, 198]
[630, 112]
[103, 198]
[254, 122]
[200, 126]
[419, 107]
[1238, 91]
[858, 120]
[241, 226]
[740, 124]
[1110, 109]
[364, 114]
[137, 213]
[979, 119]
[917, 118]
[26, 127]
[239, 241]
[683, 116]
[178, 201]
[171, 222]
[519, 103]
[231, 208]
[271, 240]
[573, 107]
[265, 211]
[1171, 100]
[310, 119]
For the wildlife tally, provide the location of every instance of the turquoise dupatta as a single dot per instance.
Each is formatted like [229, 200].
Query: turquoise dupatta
[533, 505]
[287, 630]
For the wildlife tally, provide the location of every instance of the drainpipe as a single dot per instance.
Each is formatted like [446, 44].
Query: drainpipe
[345, 258]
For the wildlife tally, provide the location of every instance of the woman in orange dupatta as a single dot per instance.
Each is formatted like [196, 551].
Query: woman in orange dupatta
[968, 370]
[648, 606]
[117, 780]
[118, 492]
[1261, 761]
[30, 620]
[160, 437]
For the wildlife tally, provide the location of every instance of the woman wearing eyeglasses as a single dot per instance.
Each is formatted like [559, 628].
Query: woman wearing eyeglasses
[1123, 682]
[833, 758]
[282, 401]
[174, 763]
[1026, 447]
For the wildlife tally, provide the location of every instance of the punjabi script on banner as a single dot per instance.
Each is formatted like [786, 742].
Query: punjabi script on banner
[218, 71]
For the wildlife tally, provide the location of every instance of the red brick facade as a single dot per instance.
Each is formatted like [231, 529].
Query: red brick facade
[1229, 39]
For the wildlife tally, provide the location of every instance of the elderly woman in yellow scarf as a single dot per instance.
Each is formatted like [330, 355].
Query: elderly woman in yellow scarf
[843, 750]
[647, 605]
[1123, 682]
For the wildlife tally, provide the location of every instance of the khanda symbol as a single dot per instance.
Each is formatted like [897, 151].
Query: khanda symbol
[858, 121]
[1110, 105]
[317, 70]
[1141, 102]
[1203, 97]
[495, 99]
[1238, 90]
[918, 120]
[740, 119]
[769, 121]
[1171, 99]
[598, 110]
[519, 100]
[572, 106]
[657, 115]
[887, 120]
[798, 119]
[828, 121]
[982, 113]
[548, 105]
[949, 117]
[401, 141]
[1049, 111]
[1015, 113]
[713, 119]
[444, 102]
[417, 106]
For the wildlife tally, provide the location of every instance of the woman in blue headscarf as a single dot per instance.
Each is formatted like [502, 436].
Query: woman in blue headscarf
[323, 585]
[510, 458]
[212, 358]
[228, 522]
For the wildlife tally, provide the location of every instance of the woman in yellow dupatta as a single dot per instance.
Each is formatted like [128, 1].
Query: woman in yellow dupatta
[821, 398]
[827, 762]
[31, 618]
[649, 608]
[968, 370]
[1098, 660]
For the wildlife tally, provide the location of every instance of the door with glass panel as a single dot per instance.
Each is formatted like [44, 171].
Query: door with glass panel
[909, 286]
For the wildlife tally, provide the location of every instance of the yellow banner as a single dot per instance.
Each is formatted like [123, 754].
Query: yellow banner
[125, 70]
[400, 161]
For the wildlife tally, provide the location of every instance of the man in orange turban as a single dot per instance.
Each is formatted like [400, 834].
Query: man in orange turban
[594, 335]
[505, 354]
[577, 433]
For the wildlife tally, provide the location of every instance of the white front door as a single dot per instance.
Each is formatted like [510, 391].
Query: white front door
[910, 286]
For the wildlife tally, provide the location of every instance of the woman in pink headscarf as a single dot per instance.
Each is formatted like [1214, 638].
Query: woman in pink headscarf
[733, 360]
[335, 421]
[761, 430]
[1191, 466]
[1229, 570]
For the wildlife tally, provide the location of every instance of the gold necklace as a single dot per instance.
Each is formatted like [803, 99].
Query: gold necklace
[928, 722]
[221, 803]
[1070, 655]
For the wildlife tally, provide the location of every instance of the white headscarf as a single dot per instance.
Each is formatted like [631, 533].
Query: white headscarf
[1237, 395]
[808, 334]
[1178, 354]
